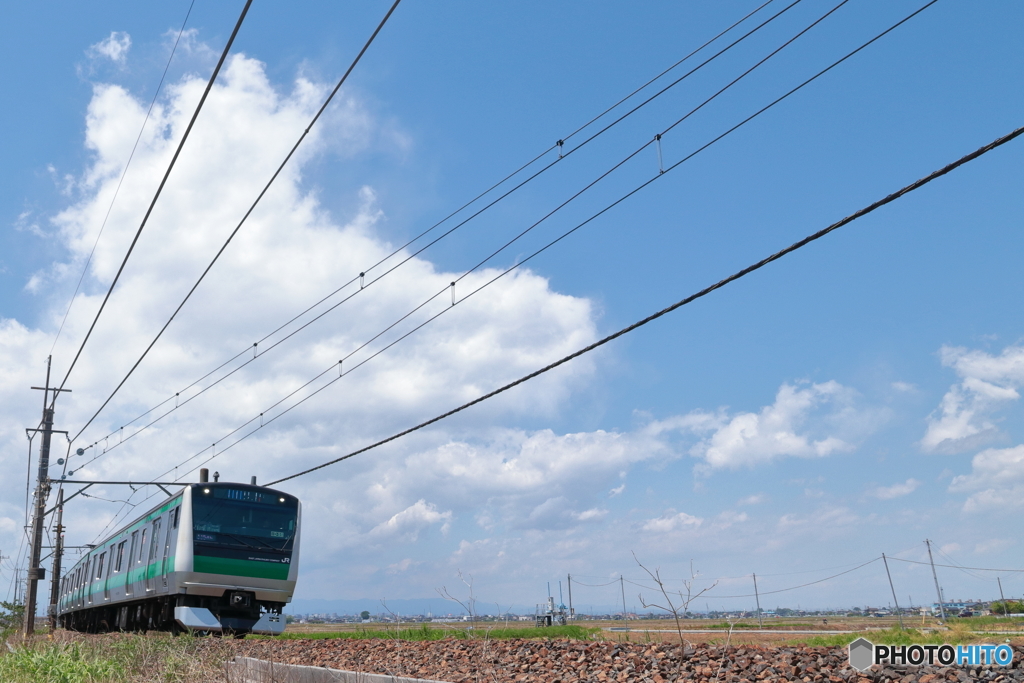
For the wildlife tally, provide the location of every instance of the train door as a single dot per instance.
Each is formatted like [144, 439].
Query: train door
[110, 570]
[154, 548]
[130, 579]
[119, 566]
[91, 578]
[172, 524]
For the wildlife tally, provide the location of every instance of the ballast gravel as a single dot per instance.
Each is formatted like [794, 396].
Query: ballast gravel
[530, 661]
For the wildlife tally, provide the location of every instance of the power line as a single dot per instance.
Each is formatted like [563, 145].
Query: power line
[693, 297]
[128, 163]
[261, 416]
[957, 566]
[257, 353]
[160, 188]
[247, 213]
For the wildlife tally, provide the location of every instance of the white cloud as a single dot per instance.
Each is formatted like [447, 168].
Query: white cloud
[895, 491]
[114, 47]
[749, 439]
[289, 254]
[755, 499]
[672, 521]
[412, 520]
[617, 490]
[996, 481]
[964, 418]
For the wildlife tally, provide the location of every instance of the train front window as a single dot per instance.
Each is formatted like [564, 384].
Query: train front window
[243, 513]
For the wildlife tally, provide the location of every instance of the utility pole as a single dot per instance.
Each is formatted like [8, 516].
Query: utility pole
[58, 550]
[894, 601]
[622, 585]
[572, 614]
[758, 599]
[938, 591]
[34, 572]
[1006, 608]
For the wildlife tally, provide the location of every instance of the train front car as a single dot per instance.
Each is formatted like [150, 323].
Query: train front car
[237, 569]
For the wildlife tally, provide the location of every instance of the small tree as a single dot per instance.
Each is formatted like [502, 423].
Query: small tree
[669, 605]
[10, 617]
[364, 615]
[470, 604]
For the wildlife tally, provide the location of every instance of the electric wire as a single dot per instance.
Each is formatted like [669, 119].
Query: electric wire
[760, 264]
[712, 596]
[163, 181]
[957, 566]
[246, 215]
[128, 163]
[635, 325]
[260, 353]
[708, 290]
[965, 570]
[265, 422]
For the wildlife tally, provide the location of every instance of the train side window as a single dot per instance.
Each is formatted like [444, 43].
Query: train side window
[131, 548]
[142, 544]
[120, 556]
[154, 543]
[99, 565]
[175, 513]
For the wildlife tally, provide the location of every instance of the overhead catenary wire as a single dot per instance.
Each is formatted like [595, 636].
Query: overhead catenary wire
[264, 422]
[159, 190]
[693, 297]
[447, 218]
[120, 181]
[672, 167]
[722, 283]
[234, 232]
[564, 235]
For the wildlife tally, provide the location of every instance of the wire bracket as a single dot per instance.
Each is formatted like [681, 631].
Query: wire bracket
[661, 163]
[453, 294]
[361, 276]
[561, 144]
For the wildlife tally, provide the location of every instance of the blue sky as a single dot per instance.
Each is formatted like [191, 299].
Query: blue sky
[855, 398]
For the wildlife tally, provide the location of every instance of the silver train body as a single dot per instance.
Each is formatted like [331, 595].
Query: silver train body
[216, 557]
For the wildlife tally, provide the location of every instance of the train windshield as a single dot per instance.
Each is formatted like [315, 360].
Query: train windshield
[242, 512]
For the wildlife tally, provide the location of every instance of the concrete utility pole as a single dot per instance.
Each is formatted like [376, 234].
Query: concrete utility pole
[894, 600]
[757, 597]
[938, 591]
[58, 550]
[35, 572]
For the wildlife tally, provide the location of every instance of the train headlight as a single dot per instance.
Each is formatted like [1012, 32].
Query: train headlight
[206, 490]
[281, 499]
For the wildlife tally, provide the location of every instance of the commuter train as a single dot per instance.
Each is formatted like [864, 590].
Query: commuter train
[216, 557]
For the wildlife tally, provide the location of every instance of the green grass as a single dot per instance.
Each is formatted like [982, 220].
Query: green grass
[115, 658]
[425, 632]
[58, 663]
[993, 622]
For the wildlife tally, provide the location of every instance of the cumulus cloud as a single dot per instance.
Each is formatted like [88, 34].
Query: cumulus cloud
[114, 47]
[895, 491]
[672, 521]
[412, 520]
[964, 419]
[290, 253]
[748, 439]
[996, 481]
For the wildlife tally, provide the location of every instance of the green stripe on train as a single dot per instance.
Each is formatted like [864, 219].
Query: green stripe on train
[250, 568]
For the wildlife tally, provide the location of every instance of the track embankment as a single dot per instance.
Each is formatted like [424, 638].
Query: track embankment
[532, 661]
